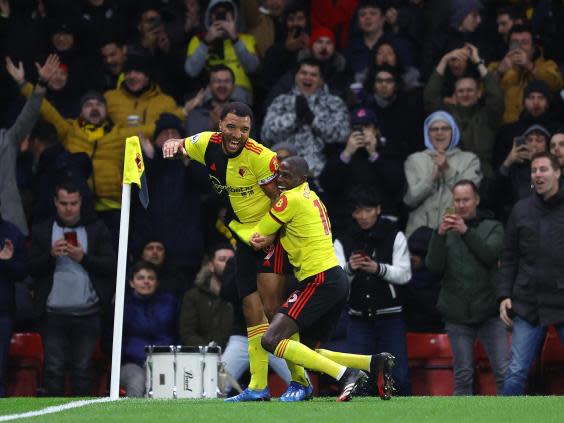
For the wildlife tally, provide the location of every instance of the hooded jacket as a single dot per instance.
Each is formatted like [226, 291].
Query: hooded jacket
[428, 199]
[467, 265]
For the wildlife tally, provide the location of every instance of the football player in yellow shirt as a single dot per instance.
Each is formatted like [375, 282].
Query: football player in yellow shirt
[314, 308]
[245, 172]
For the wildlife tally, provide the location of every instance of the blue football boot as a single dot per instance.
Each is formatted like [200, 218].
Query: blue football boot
[251, 395]
[297, 392]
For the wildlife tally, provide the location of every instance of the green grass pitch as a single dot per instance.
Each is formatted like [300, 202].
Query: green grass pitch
[400, 410]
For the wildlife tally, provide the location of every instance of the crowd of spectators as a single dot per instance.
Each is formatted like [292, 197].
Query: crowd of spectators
[405, 100]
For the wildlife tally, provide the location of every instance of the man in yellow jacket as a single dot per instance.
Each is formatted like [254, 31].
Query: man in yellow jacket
[139, 100]
[522, 64]
[95, 134]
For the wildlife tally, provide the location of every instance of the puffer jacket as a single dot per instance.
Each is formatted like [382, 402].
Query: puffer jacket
[467, 265]
[105, 153]
[148, 106]
[330, 125]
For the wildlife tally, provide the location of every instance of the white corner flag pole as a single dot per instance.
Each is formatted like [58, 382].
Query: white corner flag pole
[120, 290]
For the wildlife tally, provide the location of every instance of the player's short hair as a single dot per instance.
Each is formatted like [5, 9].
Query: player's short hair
[466, 182]
[300, 165]
[238, 109]
[554, 163]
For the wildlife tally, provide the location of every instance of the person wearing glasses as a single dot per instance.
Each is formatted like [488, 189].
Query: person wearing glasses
[431, 174]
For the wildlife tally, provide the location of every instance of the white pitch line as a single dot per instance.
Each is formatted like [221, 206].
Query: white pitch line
[54, 409]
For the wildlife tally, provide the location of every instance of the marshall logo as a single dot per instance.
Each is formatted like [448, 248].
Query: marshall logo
[188, 376]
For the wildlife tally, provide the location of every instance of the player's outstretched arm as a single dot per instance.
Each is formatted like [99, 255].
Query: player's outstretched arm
[174, 148]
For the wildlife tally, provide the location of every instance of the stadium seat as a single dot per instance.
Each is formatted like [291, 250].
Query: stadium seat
[552, 364]
[430, 364]
[25, 365]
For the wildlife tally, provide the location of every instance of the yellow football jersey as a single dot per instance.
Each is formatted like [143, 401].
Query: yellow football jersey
[239, 177]
[306, 234]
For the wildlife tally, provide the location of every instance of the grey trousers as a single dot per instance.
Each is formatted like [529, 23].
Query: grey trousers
[132, 379]
[493, 335]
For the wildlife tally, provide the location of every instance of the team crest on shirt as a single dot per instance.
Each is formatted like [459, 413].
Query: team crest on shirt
[242, 171]
[194, 138]
[274, 164]
[307, 193]
[281, 204]
[292, 298]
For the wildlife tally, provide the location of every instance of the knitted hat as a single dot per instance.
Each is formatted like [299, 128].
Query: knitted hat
[321, 32]
[169, 121]
[537, 129]
[138, 62]
[537, 86]
[92, 95]
[461, 9]
[418, 241]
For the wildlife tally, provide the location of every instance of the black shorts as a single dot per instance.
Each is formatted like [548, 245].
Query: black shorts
[272, 259]
[316, 305]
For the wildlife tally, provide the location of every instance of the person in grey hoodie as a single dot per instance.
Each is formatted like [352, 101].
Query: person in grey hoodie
[11, 206]
[431, 174]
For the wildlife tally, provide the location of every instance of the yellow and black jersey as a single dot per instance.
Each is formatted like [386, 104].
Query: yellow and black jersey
[306, 234]
[239, 176]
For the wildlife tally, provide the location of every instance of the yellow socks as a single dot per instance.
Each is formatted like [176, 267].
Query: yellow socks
[296, 371]
[258, 357]
[300, 354]
[355, 361]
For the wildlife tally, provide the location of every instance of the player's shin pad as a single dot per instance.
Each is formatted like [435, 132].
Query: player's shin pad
[356, 361]
[296, 371]
[306, 357]
[258, 357]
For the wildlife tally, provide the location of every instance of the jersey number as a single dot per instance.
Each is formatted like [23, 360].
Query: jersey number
[323, 216]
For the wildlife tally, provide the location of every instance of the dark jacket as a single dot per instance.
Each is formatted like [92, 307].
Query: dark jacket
[467, 265]
[532, 270]
[338, 178]
[14, 269]
[371, 293]
[100, 262]
[205, 317]
[148, 321]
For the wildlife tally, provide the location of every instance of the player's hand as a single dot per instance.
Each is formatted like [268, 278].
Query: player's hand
[504, 306]
[259, 242]
[174, 148]
[7, 252]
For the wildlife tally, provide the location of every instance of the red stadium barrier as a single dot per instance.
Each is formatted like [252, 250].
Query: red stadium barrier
[430, 364]
[25, 365]
[552, 364]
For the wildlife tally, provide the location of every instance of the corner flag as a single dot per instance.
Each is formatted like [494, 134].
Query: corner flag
[134, 169]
